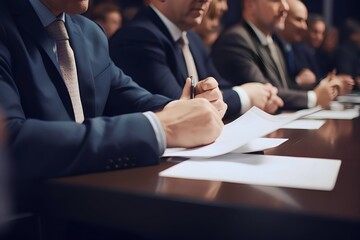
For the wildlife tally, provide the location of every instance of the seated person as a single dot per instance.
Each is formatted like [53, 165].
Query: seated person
[211, 26]
[69, 110]
[158, 50]
[305, 50]
[108, 15]
[247, 53]
[294, 32]
[325, 55]
[347, 56]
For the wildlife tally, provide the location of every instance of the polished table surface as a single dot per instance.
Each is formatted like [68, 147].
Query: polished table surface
[138, 200]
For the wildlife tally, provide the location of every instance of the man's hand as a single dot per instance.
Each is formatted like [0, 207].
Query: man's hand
[274, 102]
[305, 78]
[208, 89]
[346, 83]
[190, 123]
[327, 90]
[263, 96]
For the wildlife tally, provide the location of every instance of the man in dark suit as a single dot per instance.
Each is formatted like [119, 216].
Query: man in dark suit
[347, 56]
[301, 63]
[149, 50]
[294, 32]
[247, 53]
[48, 135]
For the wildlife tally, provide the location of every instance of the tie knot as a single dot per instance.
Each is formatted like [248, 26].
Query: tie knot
[183, 40]
[57, 30]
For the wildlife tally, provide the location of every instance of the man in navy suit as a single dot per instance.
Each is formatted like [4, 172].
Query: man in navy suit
[148, 50]
[125, 126]
[294, 32]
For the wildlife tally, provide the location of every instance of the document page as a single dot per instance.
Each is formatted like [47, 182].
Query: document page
[304, 124]
[279, 171]
[347, 114]
[258, 144]
[253, 124]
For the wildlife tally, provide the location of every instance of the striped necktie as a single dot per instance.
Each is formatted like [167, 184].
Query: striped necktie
[275, 56]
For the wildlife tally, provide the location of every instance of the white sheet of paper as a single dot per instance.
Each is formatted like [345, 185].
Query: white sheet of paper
[253, 124]
[259, 144]
[350, 98]
[332, 114]
[304, 124]
[293, 172]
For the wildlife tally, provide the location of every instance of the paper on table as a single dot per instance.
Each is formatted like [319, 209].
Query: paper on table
[332, 114]
[259, 144]
[304, 124]
[251, 125]
[293, 172]
[350, 98]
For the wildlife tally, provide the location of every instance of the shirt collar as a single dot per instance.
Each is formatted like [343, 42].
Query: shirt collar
[175, 32]
[264, 40]
[45, 15]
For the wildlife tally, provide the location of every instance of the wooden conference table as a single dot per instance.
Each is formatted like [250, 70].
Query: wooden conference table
[138, 200]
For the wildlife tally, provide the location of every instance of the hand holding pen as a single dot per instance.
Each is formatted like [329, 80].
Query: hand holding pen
[207, 89]
[192, 87]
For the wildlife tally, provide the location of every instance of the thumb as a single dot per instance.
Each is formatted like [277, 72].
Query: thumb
[186, 90]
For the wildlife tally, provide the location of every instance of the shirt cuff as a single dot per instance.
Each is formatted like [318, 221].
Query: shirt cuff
[244, 99]
[312, 99]
[158, 129]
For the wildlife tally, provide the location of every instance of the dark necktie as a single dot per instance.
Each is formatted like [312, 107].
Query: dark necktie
[290, 59]
[67, 65]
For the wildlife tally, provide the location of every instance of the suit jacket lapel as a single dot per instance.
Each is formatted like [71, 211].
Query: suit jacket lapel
[180, 68]
[83, 67]
[30, 23]
[265, 57]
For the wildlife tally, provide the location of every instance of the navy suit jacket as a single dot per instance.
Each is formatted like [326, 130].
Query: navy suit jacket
[43, 137]
[146, 51]
[296, 67]
[240, 57]
[305, 57]
[348, 59]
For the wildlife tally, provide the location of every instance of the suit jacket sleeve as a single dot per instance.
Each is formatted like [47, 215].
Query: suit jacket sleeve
[49, 146]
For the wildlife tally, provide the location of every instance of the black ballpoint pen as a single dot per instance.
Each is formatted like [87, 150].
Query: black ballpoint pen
[192, 88]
